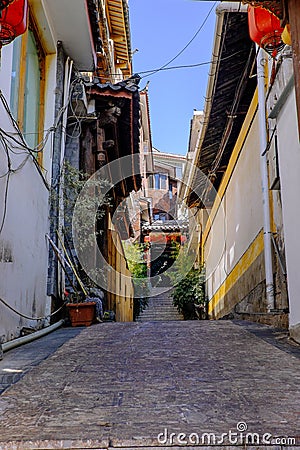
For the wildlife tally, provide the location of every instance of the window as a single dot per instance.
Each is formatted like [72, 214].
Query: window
[178, 171]
[156, 181]
[150, 182]
[32, 92]
[27, 86]
[163, 182]
[15, 76]
[170, 190]
[146, 147]
[161, 216]
[160, 181]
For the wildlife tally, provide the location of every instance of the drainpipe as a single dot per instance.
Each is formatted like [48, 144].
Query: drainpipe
[231, 7]
[261, 65]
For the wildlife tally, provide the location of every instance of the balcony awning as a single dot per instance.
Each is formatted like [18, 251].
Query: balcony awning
[70, 20]
[125, 97]
[119, 26]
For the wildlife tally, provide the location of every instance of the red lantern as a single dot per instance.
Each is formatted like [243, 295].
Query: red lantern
[265, 29]
[4, 3]
[13, 21]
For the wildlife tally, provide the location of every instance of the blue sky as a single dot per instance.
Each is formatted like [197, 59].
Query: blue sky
[159, 30]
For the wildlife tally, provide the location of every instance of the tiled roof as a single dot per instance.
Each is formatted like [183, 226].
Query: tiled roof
[166, 226]
[234, 86]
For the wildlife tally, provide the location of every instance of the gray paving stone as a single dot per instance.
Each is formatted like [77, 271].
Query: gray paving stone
[17, 362]
[118, 385]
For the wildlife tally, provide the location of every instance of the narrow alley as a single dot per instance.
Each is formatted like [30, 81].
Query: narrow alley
[149, 234]
[130, 385]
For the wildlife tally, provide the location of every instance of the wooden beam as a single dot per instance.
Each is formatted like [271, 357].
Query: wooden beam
[87, 156]
[294, 20]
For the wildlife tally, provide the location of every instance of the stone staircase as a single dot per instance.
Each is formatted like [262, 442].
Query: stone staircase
[160, 307]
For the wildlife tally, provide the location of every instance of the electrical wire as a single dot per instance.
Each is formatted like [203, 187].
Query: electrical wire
[40, 146]
[5, 202]
[183, 66]
[9, 140]
[23, 142]
[11, 143]
[164, 66]
[8, 173]
[6, 186]
[29, 317]
[232, 114]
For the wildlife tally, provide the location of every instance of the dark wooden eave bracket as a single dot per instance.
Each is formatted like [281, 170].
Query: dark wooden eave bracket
[275, 6]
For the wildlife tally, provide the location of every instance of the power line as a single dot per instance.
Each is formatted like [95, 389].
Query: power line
[187, 45]
[183, 66]
[29, 317]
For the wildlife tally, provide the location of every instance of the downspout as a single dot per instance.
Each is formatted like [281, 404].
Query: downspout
[66, 98]
[52, 282]
[261, 65]
[61, 187]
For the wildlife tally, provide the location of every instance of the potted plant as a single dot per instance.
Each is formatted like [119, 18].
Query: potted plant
[82, 314]
[82, 308]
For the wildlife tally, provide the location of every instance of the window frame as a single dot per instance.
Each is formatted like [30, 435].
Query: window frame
[161, 181]
[21, 88]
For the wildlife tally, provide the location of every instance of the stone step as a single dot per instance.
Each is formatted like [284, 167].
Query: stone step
[160, 307]
[166, 307]
[158, 304]
[158, 313]
[165, 316]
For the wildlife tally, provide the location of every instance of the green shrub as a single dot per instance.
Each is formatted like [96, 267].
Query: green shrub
[189, 291]
[134, 253]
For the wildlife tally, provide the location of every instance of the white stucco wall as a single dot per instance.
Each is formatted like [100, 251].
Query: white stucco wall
[239, 218]
[23, 246]
[289, 169]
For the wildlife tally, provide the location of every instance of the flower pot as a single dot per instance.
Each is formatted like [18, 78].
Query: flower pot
[81, 314]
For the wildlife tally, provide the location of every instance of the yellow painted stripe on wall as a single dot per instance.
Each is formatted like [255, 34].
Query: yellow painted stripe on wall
[232, 163]
[239, 269]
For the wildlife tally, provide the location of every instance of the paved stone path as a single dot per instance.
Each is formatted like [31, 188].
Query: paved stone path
[21, 360]
[121, 384]
[160, 307]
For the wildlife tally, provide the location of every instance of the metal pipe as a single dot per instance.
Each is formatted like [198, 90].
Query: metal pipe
[231, 7]
[261, 65]
[31, 337]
